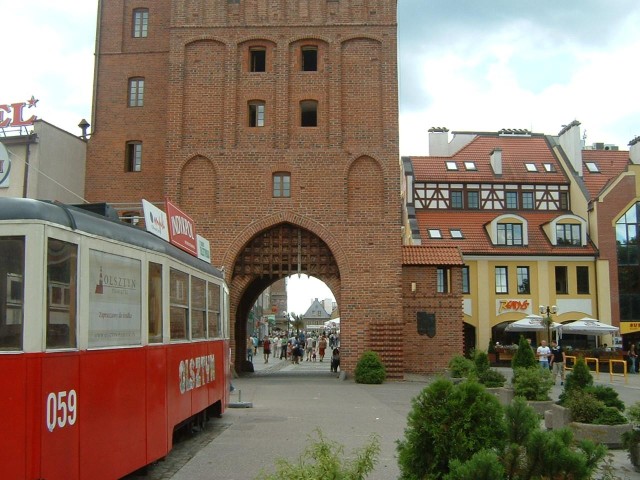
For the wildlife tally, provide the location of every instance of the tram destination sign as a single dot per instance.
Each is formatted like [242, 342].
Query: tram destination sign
[182, 229]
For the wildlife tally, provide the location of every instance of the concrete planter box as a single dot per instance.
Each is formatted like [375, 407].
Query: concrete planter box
[504, 394]
[557, 417]
[540, 406]
[609, 435]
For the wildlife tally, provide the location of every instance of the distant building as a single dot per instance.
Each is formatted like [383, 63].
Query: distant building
[315, 316]
[45, 162]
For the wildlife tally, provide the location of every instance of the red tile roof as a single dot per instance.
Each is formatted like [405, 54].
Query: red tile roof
[611, 163]
[516, 151]
[476, 239]
[431, 255]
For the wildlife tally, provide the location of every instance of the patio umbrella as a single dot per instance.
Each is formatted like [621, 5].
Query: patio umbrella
[532, 323]
[589, 326]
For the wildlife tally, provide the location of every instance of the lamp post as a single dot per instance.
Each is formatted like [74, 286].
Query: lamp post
[547, 311]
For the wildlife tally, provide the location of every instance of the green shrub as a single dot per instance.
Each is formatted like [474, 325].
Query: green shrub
[484, 465]
[491, 378]
[448, 422]
[481, 361]
[610, 416]
[323, 459]
[533, 383]
[584, 408]
[460, 366]
[607, 395]
[521, 420]
[370, 369]
[524, 356]
[580, 377]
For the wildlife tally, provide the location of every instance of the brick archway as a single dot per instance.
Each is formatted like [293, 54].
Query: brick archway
[276, 252]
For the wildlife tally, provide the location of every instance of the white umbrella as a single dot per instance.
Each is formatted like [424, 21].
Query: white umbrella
[589, 326]
[532, 323]
[333, 323]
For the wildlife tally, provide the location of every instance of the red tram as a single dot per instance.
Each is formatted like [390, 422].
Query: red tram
[110, 338]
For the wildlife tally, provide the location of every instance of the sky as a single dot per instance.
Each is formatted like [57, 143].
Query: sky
[466, 65]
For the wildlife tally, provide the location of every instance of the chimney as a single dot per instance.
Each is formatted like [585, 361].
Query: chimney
[634, 150]
[496, 161]
[438, 142]
[571, 143]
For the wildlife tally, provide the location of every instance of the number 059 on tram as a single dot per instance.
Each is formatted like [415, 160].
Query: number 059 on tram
[110, 339]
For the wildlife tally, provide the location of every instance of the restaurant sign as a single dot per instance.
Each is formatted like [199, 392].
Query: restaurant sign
[506, 305]
[182, 229]
[12, 114]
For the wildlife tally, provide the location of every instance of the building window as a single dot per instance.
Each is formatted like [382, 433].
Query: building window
[140, 22]
[470, 166]
[452, 166]
[258, 59]
[568, 234]
[502, 283]
[548, 167]
[456, 199]
[523, 280]
[564, 201]
[582, 279]
[531, 167]
[256, 114]
[592, 167]
[136, 92]
[309, 59]
[562, 280]
[456, 233]
[443, 277]
[134, 157]
[435, 233]
[527, 200]
[473, 199]
[509, 234]
[511, 199]
[309, 113]
[466, 286]
[282, 185]
[627, 228]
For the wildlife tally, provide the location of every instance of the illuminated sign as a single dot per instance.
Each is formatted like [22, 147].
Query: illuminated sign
[182, 229]
[509, 305]
[11, 114]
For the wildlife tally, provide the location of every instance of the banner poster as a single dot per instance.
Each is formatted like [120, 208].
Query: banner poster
[115, 303]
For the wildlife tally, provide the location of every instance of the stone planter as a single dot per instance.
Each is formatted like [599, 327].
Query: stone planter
[609, 435]
[557, 417]
[504, 394]
[540, 406]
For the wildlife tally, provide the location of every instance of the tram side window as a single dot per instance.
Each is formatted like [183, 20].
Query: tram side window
[198, 307]
[179, 300]
[214, 310]
[11, 292]
[155, 303]
[62, 262]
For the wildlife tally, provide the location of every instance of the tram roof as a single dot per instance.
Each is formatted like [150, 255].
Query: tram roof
[76, 218]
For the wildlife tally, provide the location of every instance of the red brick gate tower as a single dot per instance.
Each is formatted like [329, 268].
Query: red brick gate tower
[274, 124]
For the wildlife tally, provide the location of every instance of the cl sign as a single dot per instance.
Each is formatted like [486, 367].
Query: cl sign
[16, 120]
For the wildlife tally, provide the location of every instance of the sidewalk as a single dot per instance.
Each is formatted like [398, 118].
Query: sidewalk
[291, 401]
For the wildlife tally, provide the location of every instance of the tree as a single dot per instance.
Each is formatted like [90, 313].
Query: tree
[524, 356]
[298, 322]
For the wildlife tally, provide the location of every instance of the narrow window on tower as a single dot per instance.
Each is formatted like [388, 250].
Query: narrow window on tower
[309, 59]
[282, 185]
[256, 114]
[309, 113]
[133, 157]
[136, 92]
[258, 59]
[140, 22]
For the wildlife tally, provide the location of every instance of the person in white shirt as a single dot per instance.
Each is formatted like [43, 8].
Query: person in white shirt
[543, 352]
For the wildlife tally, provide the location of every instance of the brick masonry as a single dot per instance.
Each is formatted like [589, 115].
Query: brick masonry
[199, 150]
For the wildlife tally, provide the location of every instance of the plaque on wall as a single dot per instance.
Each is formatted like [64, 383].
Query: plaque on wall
[427, 324]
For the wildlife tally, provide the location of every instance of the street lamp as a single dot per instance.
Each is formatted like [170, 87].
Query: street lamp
[547, 321]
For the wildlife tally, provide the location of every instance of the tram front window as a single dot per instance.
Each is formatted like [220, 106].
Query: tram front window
[62, 262]
[11, 292]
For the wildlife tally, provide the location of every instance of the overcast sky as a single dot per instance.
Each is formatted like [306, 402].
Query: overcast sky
[464, 65]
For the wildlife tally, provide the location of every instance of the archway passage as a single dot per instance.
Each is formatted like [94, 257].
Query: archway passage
[274, 253]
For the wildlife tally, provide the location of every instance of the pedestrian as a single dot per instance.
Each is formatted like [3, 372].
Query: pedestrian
[250, 349]
[633, 358]
[283, 347]
[335, 360]
[311, 344]
[322, 346]
[266, 348]
[543, 352]
[254, 339]
[557, 360]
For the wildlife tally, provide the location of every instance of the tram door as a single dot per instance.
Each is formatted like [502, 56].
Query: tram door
[61, 404]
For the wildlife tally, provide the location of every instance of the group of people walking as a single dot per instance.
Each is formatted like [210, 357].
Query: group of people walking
[296, 348]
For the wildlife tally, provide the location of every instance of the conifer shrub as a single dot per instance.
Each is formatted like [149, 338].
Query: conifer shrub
[532, 383]
[370, 369]
[449, 422]
[524, 356]
[579, 378]
[487, 376]
[460, 366]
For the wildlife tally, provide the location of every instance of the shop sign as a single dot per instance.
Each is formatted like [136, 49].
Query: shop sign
[629, 327]
[204, 250]
[11, 114]
[5, 167]
[512, 305]
[155, 220]
[182, 229]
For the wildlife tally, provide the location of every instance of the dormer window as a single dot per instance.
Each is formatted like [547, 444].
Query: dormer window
[452, 166]
[592, 167]
[509, 234]
[531, 167]
[568, 234]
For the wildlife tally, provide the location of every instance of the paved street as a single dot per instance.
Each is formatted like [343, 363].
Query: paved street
[291, 401]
